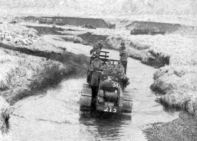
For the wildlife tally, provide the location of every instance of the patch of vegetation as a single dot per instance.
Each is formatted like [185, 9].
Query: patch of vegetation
[26, 75]
[181, 129]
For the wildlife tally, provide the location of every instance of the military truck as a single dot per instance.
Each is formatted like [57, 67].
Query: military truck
[108, 94]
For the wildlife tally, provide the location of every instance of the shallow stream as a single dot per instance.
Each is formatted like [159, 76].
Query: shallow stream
[55, 115]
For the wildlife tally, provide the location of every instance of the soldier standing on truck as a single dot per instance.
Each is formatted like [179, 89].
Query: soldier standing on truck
[123, 56]
[95, 74]
[97, 48]
[96, 63]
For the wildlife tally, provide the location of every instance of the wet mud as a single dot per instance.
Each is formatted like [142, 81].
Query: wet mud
[56, 116]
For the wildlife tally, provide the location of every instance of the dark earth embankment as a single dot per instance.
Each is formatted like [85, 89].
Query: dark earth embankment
[75, 21]
[152, 28]
[79, 62]
[44, 30]
[92, 38]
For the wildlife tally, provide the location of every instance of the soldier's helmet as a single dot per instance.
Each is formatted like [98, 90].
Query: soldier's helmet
[100, 43]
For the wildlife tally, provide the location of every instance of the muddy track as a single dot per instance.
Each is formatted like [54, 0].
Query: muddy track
[60, 118]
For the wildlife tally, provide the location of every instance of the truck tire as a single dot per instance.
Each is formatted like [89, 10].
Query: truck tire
[127, 103]
[127, 106]
[86, 98]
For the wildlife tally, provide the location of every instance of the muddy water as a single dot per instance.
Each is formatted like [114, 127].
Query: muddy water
[55, 115]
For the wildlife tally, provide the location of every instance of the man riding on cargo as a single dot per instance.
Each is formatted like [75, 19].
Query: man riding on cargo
[107, 67]
[123, 56]
[119, 70]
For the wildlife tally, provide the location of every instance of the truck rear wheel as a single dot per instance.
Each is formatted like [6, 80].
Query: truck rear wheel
[86, 98]
[127, 103]
[127, 106]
